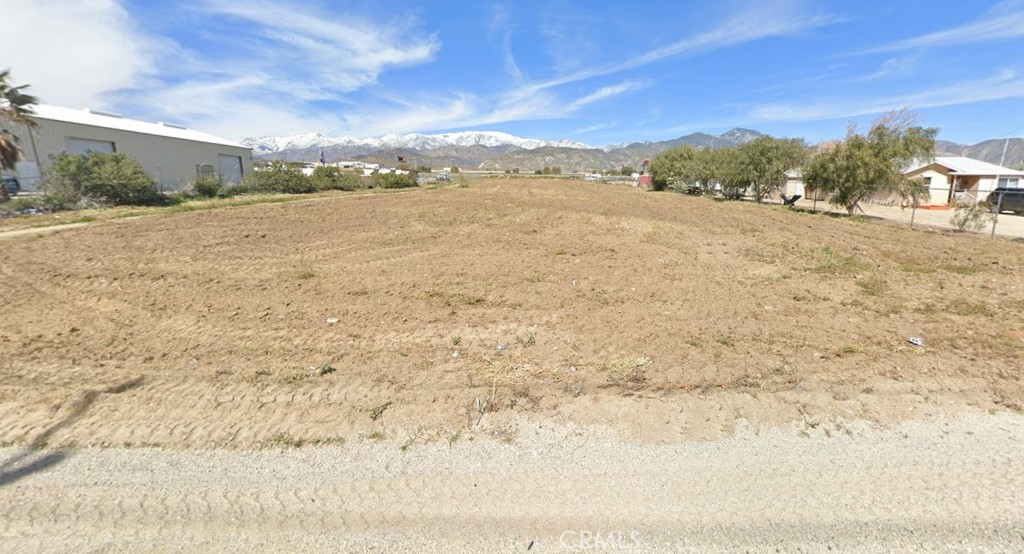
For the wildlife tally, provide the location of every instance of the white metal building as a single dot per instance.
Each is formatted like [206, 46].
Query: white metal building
[171, 154]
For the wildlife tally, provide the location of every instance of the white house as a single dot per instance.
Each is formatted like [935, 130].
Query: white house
[949, 179]
[953, 178]
[171, 154]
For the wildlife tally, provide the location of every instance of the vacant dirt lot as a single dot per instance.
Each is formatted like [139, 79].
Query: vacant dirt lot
[428, 313]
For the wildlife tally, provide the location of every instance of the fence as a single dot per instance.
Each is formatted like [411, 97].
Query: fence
[964, 210]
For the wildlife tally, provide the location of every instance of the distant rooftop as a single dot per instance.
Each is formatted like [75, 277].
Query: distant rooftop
[110, 120]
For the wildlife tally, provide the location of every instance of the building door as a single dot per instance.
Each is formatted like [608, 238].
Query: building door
[230, 169]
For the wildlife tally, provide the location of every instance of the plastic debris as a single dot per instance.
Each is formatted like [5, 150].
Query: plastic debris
[916, 341]
[332, 320]
[502, 347]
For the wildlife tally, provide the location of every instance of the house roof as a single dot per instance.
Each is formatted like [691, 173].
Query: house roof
[114, 121]
[961, 165]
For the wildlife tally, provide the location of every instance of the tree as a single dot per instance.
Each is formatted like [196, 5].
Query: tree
[761, 164]
[15, 108]
[863, 165]
[673, 166]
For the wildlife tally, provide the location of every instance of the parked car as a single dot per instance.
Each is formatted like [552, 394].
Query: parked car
[13, 187]
[1012, 200]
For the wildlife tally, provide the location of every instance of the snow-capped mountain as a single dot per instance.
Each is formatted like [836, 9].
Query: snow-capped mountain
[479, 149]
[414, 141]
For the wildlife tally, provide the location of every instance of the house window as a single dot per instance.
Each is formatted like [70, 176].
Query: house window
[1009, 182]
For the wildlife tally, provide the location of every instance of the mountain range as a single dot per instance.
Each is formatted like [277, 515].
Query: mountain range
[496, 151]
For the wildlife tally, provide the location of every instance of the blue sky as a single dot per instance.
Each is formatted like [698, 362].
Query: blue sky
[597, 71]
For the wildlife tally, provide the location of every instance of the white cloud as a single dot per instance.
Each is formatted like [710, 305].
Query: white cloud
[1005, 21]
[609, 91]
[1005, 84]
[759, 23]
[73, 53]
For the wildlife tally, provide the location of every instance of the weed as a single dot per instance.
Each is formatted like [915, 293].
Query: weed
[296, 376]
[469, 299]
[872, 286]
[84, 219]
[725, 340]
[325, 369]
[560, 251]
[327, 441]
[629, 370]
[848, 349]
[378, 411]
[304, 274]
[283, 440]
[456, 340]
[961, 269]
[968, 308]
[527, 342]
[834, 263]
[376, 436]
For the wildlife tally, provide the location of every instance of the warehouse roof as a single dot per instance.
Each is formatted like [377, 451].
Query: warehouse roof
[115, 121]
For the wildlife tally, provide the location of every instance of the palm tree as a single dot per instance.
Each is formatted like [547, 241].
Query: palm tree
[15, 108]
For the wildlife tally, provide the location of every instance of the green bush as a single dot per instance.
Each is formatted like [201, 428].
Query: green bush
[278, 177]
[393, 181]
[99, 177]
[207, 187]
[22, 203]
[245, 187]
[332, 178]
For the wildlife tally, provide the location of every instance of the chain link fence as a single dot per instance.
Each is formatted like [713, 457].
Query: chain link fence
[967, 209]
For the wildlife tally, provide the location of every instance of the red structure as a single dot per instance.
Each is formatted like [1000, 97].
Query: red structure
[644, 181]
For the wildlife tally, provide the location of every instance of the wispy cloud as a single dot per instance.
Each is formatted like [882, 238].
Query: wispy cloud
[609, 91]
[72, 53]
[890, 67]
[280, 58]
[1005, 21]
[748, 26]
[1005, 84]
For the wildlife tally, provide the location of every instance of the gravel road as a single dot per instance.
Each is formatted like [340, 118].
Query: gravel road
[936, 485]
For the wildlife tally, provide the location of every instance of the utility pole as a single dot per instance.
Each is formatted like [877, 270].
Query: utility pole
[999, 201]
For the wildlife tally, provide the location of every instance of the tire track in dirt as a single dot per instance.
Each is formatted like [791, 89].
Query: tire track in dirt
[902, 484]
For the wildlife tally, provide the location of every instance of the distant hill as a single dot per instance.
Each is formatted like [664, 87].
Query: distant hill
[482, 149]
[501, 151]
[990, 151]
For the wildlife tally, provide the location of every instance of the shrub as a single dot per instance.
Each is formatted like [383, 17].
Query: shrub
[278, 177]
[332, 178]
[394, 181]
[21, 203]
[207, 187]
[245, 187]
[969, 217]
[99, 177]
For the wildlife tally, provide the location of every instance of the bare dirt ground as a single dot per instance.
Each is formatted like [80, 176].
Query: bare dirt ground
[434, 314]
[945, 485]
